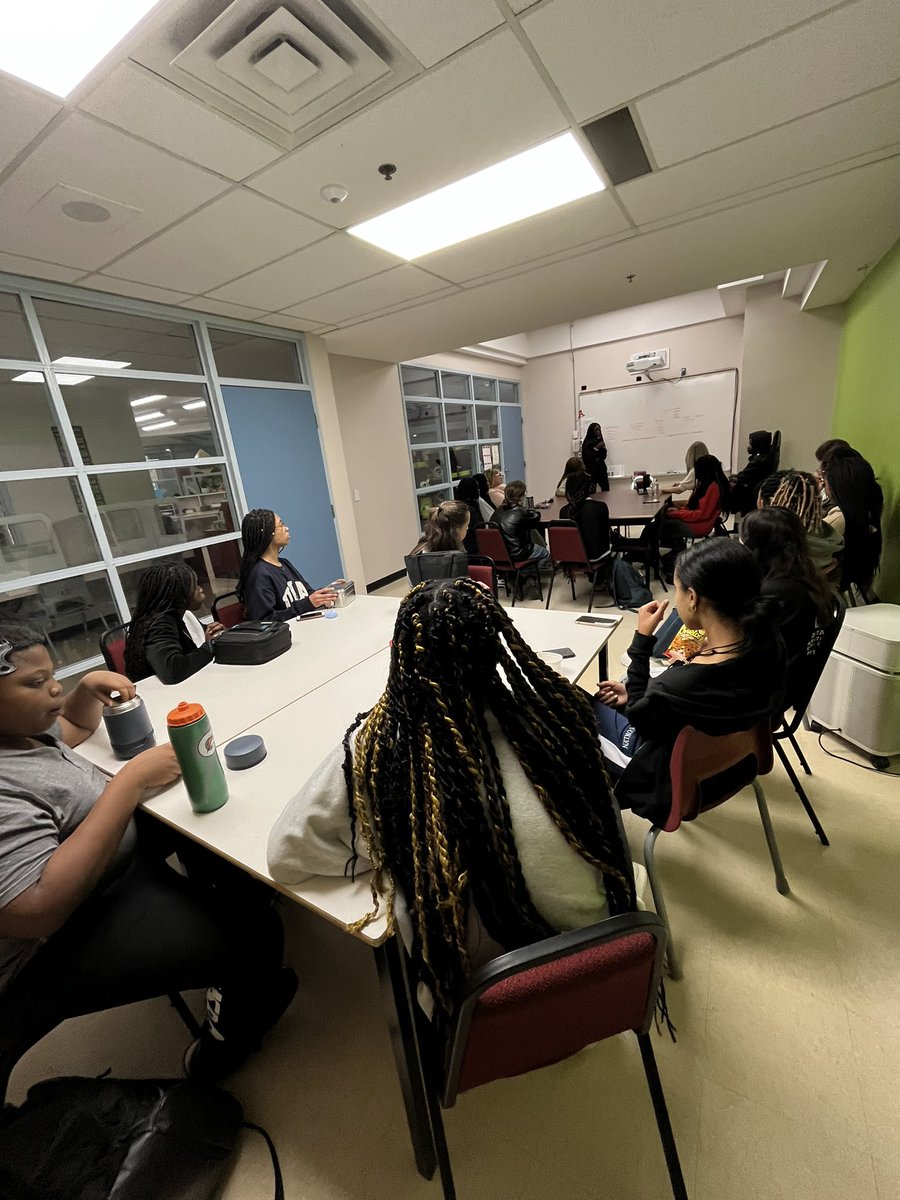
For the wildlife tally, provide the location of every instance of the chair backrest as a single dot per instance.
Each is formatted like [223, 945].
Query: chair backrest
[805, 674]
[228, 610]
[436, 564]
[540, 1004]
[706, 771]
[566, 544]
[483, 570]
[112, 647]
[492, 544]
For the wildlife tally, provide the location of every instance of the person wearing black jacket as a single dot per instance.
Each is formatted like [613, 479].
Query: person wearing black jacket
[467, 492]
[593, 455]
[591, 516]
[760, 464]
[157, 642]
[736, 679]
[516, 523]
[270, 587]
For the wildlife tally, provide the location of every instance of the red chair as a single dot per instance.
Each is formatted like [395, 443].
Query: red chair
[543, 1003]
[568, 553]
[706, 771]
[230, 613]
[112, 647]
[483, 570]
[492, 544]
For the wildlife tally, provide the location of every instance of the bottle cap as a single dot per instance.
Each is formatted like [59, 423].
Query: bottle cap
[246, 751]
[186, 714]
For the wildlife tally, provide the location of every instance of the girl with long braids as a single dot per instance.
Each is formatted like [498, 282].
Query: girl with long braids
[158, 642]
[270, 587]
[799, 493]
[591, 516]
[857, 508]
[474, 789]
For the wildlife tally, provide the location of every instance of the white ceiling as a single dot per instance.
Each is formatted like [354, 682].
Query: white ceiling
[774, 136]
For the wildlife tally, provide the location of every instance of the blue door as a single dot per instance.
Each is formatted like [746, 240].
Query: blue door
[513, 446]
[276, 442]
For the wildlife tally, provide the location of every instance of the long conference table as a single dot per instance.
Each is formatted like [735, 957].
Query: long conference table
[301, 704]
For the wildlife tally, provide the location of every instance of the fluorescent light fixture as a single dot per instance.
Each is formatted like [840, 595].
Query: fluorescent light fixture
[741, 282]
[195, 404]
[150, 416]
[63, 379]
[547, 176]
[159, 425]
[147, 400]
[54, 44]
[69, 361]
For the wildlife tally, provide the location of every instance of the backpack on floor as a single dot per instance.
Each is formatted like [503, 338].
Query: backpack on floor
[627, 586]
[120, 1139]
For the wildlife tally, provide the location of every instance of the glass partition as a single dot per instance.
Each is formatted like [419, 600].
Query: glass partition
[70, 614]
[424, 422]
[43, 528]
[15, 340]
[116, 340]
[30, 436]
[246, 356]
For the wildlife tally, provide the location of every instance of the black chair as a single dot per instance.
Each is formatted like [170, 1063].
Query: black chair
[802, 681]
[112, 647]
[228, 610]
[436, 564]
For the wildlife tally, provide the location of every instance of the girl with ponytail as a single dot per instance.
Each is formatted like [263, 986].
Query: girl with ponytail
[446, 528]
[735, 680]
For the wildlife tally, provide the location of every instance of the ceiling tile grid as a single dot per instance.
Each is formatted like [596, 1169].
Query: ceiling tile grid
[25, 112]
[434, 29]
[387, 290]
[138, 291]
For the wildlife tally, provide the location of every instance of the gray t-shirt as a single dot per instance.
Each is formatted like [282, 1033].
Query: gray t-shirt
[45, 794]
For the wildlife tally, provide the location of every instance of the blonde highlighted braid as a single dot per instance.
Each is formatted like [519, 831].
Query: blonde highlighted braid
[799, 493]
[425, 789]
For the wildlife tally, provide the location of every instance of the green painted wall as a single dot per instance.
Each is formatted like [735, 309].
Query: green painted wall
[867, 403]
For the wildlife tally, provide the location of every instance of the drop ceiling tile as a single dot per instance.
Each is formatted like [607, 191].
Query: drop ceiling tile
[323, 267]
[283, 321]
[17, 264]
[237, 312]
[587, 220]
[838, 56]
[844, 131]
[520, 5]
[486, 104]
[83, 154]
[139, 102]
[25, 113]
[433, 29]
[368, 295]
[601, 55]
[230, 237]
[140, 291]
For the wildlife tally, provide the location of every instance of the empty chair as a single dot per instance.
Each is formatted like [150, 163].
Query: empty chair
[112, 647]
[568, 553]
[228, 610]
[492, 544]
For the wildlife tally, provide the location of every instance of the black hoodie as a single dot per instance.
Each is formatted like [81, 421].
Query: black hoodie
[276, 593]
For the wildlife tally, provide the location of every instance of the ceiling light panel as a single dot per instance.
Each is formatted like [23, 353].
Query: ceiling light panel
[535, 181]
[55, 44]
[147, 400]
[63, 379]
[69, 360]
[159, 425]
[194, 404]
[150, 416]
[740, 282]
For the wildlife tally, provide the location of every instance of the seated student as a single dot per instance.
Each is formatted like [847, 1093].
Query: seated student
[694, 451]
[270, 587]
[857, 506]
[591, 516]
[799, 492]
[777, 541]
[444, 534]
[573, 464]
[91, 917]
[517, 523]
[491, 759]
[709, 497]
[769, 487]
[745, 485]
[158, 641]
[734, 681]
[486, 505]
[466, 492]
[496, 492]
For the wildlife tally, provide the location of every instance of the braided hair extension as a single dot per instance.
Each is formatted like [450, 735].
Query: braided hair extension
[425, 788]
[257, 531]
[578, 488]
[163, 588]
[799, 492]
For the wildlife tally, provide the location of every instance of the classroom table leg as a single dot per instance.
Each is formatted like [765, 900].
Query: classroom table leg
[390, 961]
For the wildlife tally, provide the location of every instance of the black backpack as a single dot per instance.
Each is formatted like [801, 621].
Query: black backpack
[626, 585]
[120, 1139]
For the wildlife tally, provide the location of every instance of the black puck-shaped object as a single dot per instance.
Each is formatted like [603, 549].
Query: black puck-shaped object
[244, 752]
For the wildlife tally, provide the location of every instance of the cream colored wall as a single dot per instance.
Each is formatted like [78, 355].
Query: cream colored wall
[549, 389]
[789, 372]
[474, 364]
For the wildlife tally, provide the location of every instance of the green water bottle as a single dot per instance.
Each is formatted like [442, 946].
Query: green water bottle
[195, 748]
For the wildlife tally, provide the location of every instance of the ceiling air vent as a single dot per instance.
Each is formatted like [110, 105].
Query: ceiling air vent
[286, 70]
[618, 145]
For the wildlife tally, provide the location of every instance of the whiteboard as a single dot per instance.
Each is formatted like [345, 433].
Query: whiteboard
[649, 426]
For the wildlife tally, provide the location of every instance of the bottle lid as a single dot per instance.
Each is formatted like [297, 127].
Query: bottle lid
[186, 714]
[246, 751]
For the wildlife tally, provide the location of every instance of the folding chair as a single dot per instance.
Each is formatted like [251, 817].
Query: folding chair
[543, 1003]
[706, 771]
[483, 570]
[436, 564]
[112, 647]
[229, 613]
[568, 553]
[492, 544]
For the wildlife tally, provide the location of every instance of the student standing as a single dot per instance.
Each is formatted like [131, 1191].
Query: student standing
[593, 455]
[270, 587]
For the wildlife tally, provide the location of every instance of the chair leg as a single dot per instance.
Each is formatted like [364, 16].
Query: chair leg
[537, 576]
[803, 763]
[515, 589]
[433, 1104]
[673, 966]
[661, 1111]
[798, 788]
[572, 583]
[781, 882]
[177, 1001]
[550, 587]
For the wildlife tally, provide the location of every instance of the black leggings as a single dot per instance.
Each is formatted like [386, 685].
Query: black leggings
[150, 932]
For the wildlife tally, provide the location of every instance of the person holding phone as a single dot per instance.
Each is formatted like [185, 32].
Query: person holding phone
[270, 587]
[734, 681]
